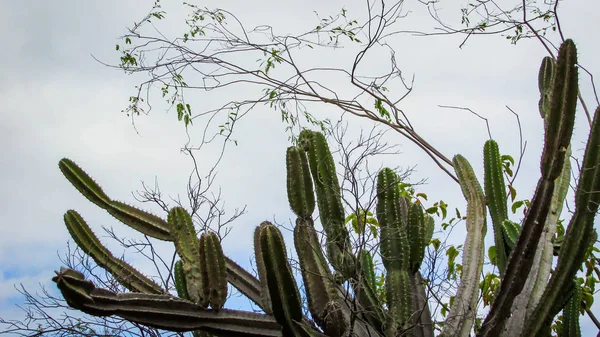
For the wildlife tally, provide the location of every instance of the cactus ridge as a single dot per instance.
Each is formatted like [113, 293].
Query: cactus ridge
[83, 183]
[215, 271]
[127, 275]
[416, 236]
[495, 192]
[561, 116]
[395, 251]
[331, 210]
[545, 84]
[180, 283]
[510, 234]
[299, 184]
[429, 228]
[461, 316]
[139, 220]
[570, 327]
[365, 289]
[579, 233]
[187, 247]
[262, 272]
[399, 301]
[285, 297]
[142, 221]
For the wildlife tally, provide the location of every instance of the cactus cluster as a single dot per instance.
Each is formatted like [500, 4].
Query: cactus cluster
[203, 271]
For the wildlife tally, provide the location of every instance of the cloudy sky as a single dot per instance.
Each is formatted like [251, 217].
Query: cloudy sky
[58, 101]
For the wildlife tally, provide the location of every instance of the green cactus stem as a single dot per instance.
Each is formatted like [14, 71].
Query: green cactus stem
[364, 289]
[142, 221]
[83, 183]
[395, 250]
[161, 311]
[125, 274]
[318, 280]
[215, 273]
[329, 201]
[495, 192]
[285, 297]
[462, 312]
[570, 326]
[299, 183]
[417, 240]
[545, 84]
[510, 234]
[262, 272]
[399, 301]
[558, 136]
[187, 247]
[180, 282]
[578, 236]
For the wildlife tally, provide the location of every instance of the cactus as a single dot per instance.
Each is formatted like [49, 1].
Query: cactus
[187, 246]
[127, 275]
[202, 274]
[329, 202]
[495, 191]
[214, 271]
[462, 312]
[570, 326]
[285, 298]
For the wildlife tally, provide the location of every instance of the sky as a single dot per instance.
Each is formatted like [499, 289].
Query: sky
[59, 101]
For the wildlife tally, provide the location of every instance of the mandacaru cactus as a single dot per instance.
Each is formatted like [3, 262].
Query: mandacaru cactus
[203, 271]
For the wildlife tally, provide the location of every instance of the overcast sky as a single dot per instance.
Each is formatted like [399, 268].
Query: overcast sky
[57, 101]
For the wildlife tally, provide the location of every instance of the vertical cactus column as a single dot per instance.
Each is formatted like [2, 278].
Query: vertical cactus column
[559, 128]
[331, 210]
[285, 297]
[462, 312]
[495, 192]
[395, 252]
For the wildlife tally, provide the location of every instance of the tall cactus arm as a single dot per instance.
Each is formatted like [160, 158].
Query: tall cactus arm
[545, 84]
[329, 201]
[83, 183]
[142, 221]
[125, 274]
[571, 326]
[558, 136]
[318, 280]
[211, 255]
[262, 271]
[462, 312]
[161, 311]
[537, 280]
[495, 192]
[417, 238]
[578, 234]
[285, 297]
[299, 184]
[187, 247]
